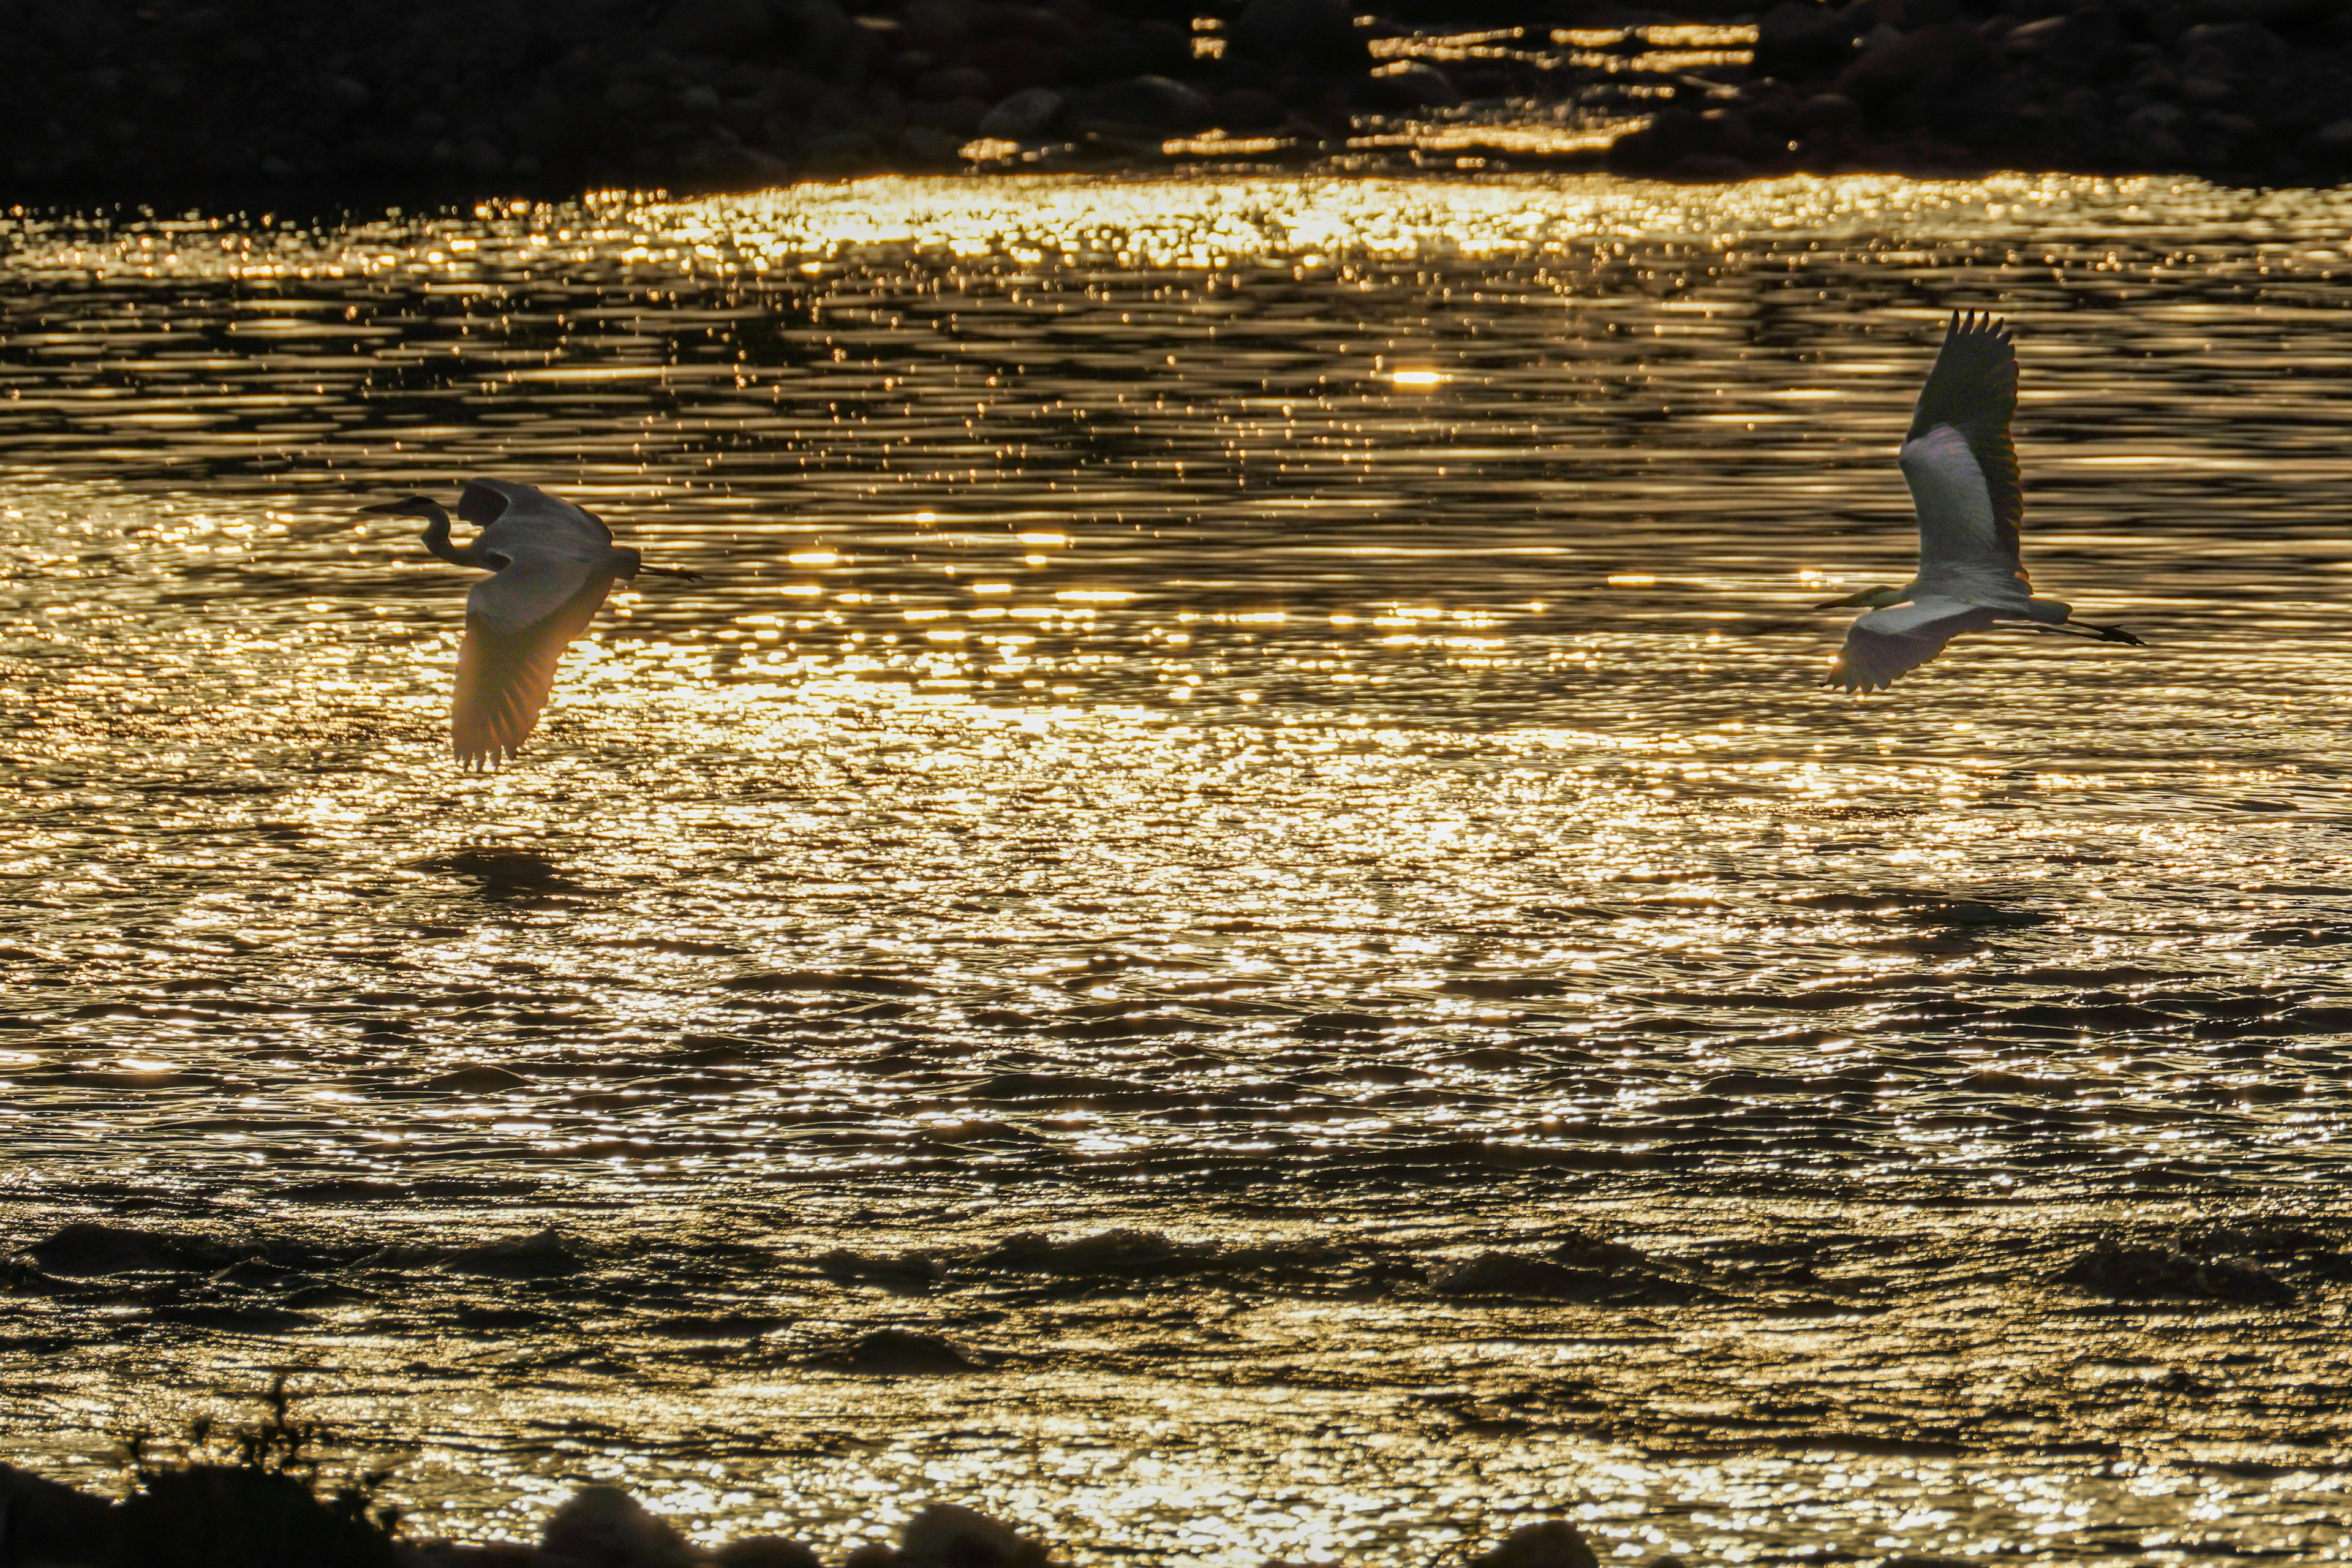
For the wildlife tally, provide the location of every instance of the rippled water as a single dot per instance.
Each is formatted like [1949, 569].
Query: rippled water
[1275, 717]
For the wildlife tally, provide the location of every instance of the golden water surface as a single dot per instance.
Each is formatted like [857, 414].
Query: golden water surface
[1240, 842]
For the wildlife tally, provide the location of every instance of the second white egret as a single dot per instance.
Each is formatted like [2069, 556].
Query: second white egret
[1962, 470]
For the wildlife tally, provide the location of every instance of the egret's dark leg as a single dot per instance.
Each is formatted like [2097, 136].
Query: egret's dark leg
[2083, 630]
[2046, 628]
[2110, 634]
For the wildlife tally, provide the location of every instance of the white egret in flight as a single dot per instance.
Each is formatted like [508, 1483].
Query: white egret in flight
[1962, 472]
[554, 563]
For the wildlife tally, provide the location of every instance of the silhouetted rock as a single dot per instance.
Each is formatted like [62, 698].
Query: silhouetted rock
[713, 26]
[466, 1554]
[438, 100]
[1248, 108]
[44, 1523]
[222, 1516]
[946, 1536]
[1116, 47]
[496, 868]
[1827, 112]
[605, 1527]
[950, 82]
[765, 1552]
[1152, 104]
[1926, 60]
[1022, 115]
[1687, 144]
[1554, 1544]
[1413, 84]
[941, 28]
[1316, 35]
[1586, 1250]
[1800, 36]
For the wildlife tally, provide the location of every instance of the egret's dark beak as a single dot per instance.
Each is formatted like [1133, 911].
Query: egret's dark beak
[407, 506]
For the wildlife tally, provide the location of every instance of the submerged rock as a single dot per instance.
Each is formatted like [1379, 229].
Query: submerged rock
[478, 1077]
[85, 1250]
[543, 1255]
[1587, 1250]
[905, 1273]
[495, 868]
[900, 1352]
[1554, 1544]
[1121, 1251]
[2153, 1272]
[1509, 1274]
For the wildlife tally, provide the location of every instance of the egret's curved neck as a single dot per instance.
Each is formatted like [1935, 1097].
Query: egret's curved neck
[436, 540]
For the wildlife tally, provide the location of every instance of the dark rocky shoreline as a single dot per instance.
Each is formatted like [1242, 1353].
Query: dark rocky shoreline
[2202, 1295]
[293, 103]
[257, 1514]
[2243, 91]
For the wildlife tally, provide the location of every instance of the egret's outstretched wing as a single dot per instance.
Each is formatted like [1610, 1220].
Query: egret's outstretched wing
[1887, 644]
[1962, 467]
[517, 625]
[509, 513]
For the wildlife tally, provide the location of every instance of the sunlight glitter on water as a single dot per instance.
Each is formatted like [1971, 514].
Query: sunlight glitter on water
[1273, 714]
[1176, 221]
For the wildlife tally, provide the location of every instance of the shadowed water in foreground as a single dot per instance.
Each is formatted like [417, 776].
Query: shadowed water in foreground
[1233, 926]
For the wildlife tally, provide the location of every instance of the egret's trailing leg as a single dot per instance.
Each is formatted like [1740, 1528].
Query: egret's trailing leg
[2083, 630]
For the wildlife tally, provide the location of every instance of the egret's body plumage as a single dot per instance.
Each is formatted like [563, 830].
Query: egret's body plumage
[1962, 466]
[551, 564]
